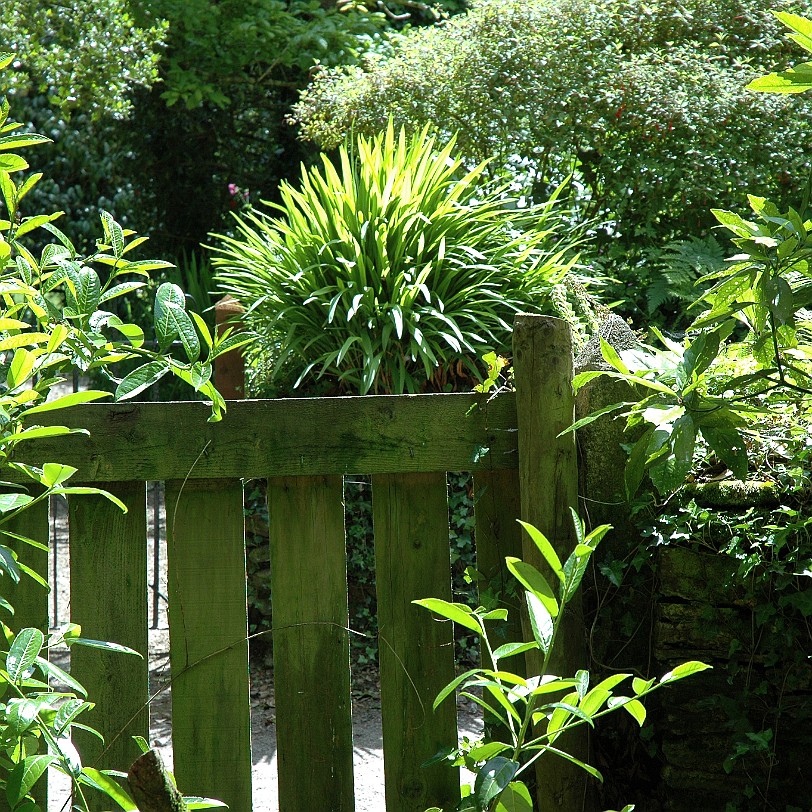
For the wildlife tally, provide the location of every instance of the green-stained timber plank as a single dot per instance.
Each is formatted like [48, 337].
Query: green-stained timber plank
[498, 534]
[310, 644]
[29, 599]
[374, 434]
[416, 652]
[548, 477]
[108, 568]
[208, 628]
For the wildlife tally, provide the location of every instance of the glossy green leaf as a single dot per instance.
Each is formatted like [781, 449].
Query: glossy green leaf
[684, 670]
[459, 613]
[515, 798]
[112, 789]
[541, 621]
[545, 548]
[533, 580]
[140, 379]
[492, 778]
[23, 653]
[24, 776]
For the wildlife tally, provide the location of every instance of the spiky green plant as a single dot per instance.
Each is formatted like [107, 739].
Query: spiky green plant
[385, 270]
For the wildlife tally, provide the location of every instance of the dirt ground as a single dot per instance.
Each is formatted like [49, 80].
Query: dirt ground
[368, 748]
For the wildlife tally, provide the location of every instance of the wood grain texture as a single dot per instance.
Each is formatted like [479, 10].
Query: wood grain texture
[296, 437]
[548, 480]
[208, 627]
[498, 535]
[108, 557]
[416, 652]
[310, 644]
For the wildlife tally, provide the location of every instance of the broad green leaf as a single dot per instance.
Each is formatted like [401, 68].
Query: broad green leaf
[196, 802]
[24, 776]
[38, 432]
[512, 649]
[113, 234]
[12, 163]
[22, 140]
[12, 501]
[49, 670]
[612, 358]
[729, 446]
[492, 778]
[684, 670]
[515, 798]
[792, 80]
[55, 474]
[454, 684]
[86, 490]
[488, 750]
[72, 399]
[172, 321]
[140, 379]
[634, 707]
[112, 789]
[639, 686]
[541, 622]
[103, 645]
[23, 653]
[459, 613]
[533, 580]
[21, 368]
[68, 711]
[545, 548]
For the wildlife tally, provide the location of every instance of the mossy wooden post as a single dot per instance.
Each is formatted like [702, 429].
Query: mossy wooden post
[29, 599]
[310, 643]
[548, 476]
[108, 575]
[229, 368]
[416, 652]
[208, 631]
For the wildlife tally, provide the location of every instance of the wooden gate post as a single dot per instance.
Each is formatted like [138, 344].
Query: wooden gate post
[229, 368]
[548, 481]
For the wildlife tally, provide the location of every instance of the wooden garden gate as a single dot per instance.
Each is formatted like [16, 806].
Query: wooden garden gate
[303, 447]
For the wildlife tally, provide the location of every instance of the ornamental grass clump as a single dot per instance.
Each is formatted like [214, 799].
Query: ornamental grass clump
[392, 269]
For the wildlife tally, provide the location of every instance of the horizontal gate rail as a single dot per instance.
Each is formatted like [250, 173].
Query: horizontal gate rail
[302, 447]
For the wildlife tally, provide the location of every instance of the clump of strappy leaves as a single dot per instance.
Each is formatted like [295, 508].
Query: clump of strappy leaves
[57, 316]
[534, 711]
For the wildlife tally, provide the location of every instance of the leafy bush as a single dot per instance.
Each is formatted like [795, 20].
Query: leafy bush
[643, 99]
[534, 712]
[51, 323]
[393, 270]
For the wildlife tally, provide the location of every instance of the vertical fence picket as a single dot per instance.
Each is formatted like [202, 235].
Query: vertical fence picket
[498, 535]
[310, 642]
[108, 576]
[416, 653]
[29, 599]
[208, 626]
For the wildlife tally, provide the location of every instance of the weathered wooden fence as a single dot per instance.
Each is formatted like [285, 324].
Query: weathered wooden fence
[521, 467]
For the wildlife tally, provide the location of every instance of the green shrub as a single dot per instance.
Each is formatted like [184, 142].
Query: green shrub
[387, 272]
[643, 98]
